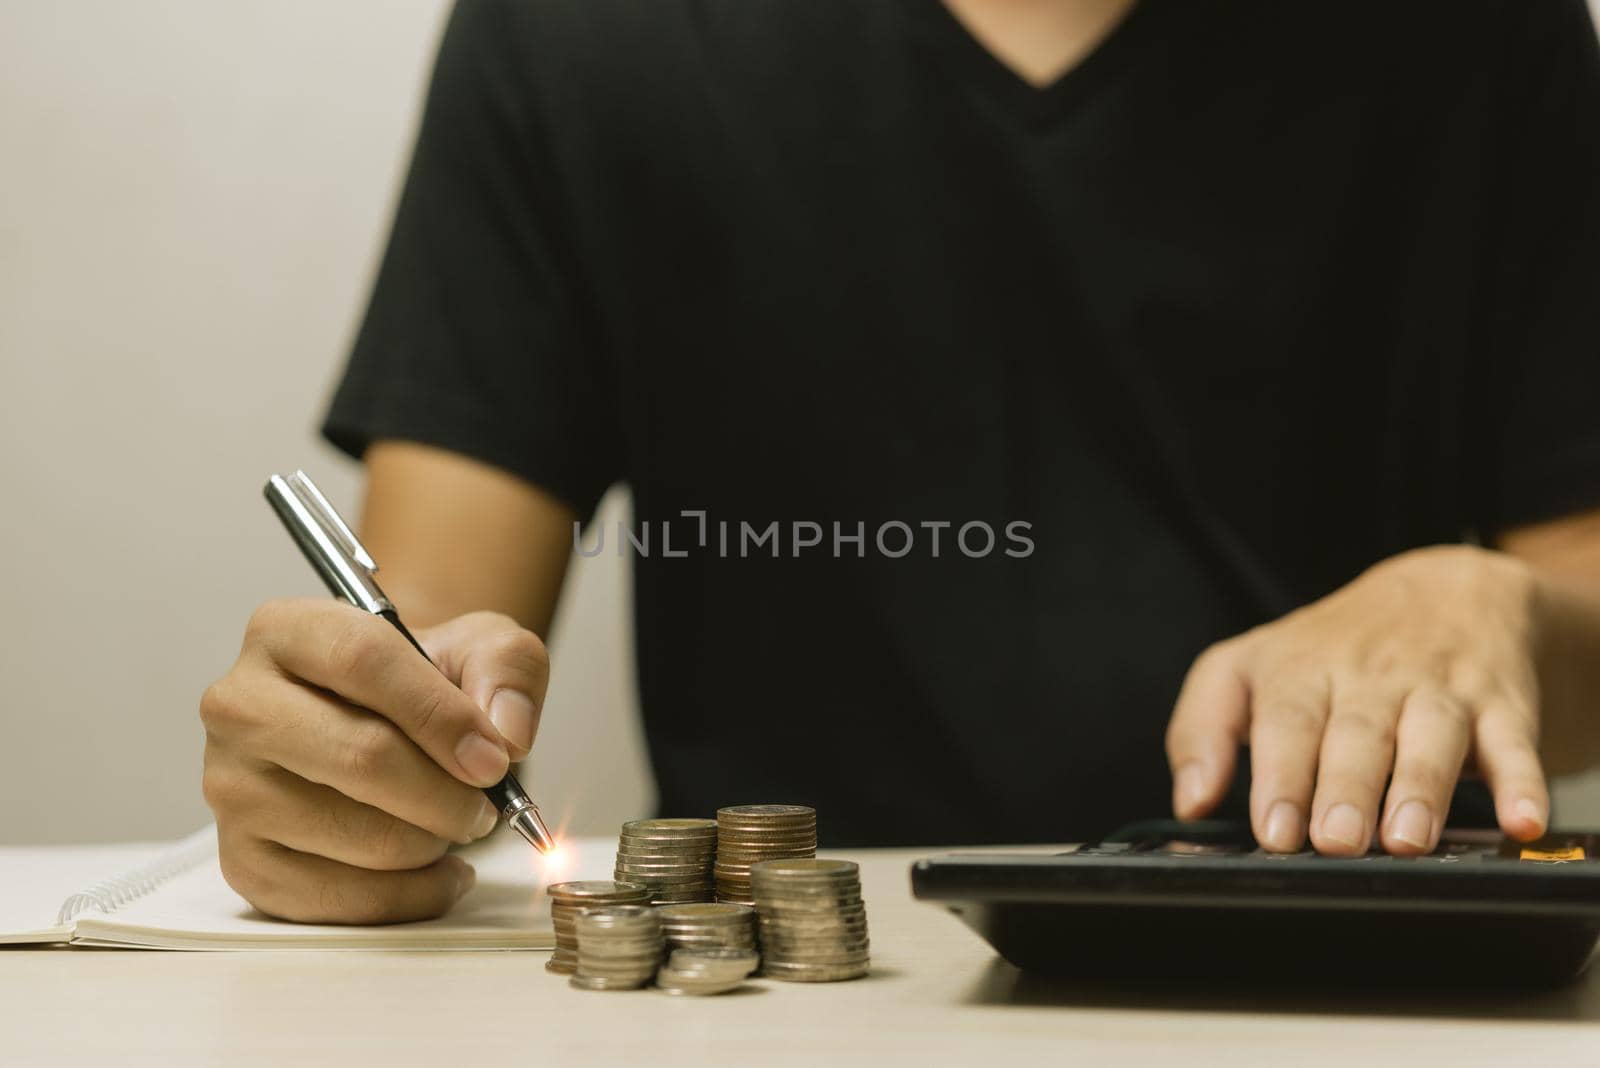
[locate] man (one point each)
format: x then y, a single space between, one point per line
1261 332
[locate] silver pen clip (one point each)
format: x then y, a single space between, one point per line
327 541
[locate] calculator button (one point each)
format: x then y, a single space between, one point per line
1554 854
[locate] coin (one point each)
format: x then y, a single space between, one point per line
707 971
748 835
814 973
569 900
768 813
715 924
673 857
619 947
811 920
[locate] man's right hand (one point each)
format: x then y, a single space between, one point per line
341 765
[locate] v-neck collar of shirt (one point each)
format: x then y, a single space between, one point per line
1035 105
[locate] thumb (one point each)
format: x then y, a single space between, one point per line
498 664
1203 736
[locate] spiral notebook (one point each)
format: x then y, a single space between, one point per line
176 898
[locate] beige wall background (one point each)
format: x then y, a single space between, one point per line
192 198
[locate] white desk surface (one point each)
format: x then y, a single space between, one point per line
937 996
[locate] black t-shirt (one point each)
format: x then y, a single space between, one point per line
1257 295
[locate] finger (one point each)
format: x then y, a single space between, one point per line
1207 726
1357 753
1431 742
367 661
501 666
1507 746
309 889
308 817
1286 723
363 756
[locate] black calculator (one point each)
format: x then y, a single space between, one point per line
1184 902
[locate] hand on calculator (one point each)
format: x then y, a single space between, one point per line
1424 665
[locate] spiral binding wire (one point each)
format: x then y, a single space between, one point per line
108 895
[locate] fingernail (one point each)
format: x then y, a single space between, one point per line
512 713
487 819
1345 824
1413 825
1283 827
482 759
1529 809
466 879
1191 783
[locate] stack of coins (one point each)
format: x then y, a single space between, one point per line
719 925
618 948
813 921
671 857
705 971
570 900
749 834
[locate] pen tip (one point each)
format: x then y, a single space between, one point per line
528 824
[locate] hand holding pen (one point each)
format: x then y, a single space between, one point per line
340 764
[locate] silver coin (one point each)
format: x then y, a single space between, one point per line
682 899
707 934
656 881
771 960
699 990
584 982
773 935
779 939
630 961
703 859
619 915
732 957
767 810
814 928
767 915
669 825
724 938
790 897
709 912
748 853
817 955
718 932
781 908
620 969
854 929
590 889
814 868
594 946
828 974
643 866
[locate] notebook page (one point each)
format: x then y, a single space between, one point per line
507 909
35 880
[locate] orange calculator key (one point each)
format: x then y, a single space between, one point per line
1567 853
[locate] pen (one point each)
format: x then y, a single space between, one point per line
346 567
